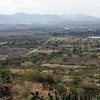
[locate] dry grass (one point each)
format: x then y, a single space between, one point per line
21 91
21 71
47 51
3 57
39 87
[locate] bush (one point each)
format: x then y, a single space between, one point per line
75 80
36 76
60 88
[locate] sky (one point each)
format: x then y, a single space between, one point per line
59 7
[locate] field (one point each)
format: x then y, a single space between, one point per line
45 65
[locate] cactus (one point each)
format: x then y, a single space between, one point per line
64 97
50 96
56 96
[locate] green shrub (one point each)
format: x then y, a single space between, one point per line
60 88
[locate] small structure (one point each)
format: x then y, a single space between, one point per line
94 37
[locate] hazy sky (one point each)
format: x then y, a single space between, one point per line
90 7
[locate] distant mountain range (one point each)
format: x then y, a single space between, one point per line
23 18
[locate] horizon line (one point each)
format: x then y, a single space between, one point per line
48 14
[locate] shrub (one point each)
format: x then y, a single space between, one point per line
60 88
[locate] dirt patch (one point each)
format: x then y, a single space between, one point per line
58 65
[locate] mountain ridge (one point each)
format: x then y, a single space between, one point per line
24 18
